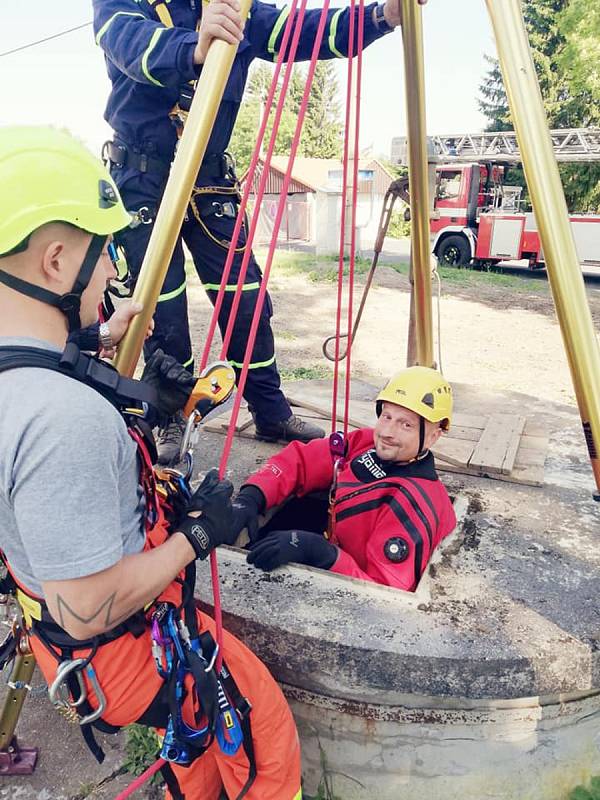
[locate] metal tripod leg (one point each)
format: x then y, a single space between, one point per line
16 760
548 200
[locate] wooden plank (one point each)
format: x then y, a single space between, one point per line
528 475
498 444
221 423
460 432
323 412
513 446
453 451
469 420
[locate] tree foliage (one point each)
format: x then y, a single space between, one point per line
322 130
565 42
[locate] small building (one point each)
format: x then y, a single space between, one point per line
314 200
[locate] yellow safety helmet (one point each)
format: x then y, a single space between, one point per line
48 176
425 391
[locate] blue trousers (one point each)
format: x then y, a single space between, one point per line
208 240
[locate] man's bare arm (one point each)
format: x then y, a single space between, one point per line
89 606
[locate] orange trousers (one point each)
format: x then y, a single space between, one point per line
127 675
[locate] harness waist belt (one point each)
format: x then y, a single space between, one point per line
120 154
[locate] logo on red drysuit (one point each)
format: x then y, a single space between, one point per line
274 469
368 461
396 549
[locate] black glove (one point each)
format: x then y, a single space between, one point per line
247 506
302 547
214 525
172 382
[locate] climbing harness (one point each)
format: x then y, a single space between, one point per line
179 648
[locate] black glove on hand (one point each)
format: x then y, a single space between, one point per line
301 547
172 382
247 506
214 525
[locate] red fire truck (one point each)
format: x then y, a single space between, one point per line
477 218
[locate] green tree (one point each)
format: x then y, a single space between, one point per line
322 132
244 136
565 43
321 135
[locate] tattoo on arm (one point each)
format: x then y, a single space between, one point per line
109 621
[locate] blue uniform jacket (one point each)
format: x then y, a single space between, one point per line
148 63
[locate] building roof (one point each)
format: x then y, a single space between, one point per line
311 174
314 172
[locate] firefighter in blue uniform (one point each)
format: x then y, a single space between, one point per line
154 50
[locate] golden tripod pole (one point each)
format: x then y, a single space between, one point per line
190 152
414 69
549 205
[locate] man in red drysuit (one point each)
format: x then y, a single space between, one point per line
388 510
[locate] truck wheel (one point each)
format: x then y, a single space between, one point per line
454 251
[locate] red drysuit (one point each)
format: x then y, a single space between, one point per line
388 517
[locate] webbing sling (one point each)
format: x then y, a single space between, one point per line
117 389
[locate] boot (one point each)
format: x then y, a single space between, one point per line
293 429
169 439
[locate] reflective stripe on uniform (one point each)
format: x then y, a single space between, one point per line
107 24
254 365
173 294
332 33
231 287
188 363
153 40
283 15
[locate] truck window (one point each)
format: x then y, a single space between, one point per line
449 185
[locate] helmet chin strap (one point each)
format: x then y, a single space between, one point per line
421 437
70 302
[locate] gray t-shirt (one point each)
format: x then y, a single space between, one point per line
70 500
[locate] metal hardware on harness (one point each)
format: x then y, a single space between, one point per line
226 209
337 449
60 695
213 387
190 437
142 216
397 189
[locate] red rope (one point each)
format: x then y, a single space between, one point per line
341 260
292 20
273 244
249 182
351 267
141 779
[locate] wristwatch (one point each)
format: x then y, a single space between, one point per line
380 20
106 341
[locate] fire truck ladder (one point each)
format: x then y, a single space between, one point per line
570 144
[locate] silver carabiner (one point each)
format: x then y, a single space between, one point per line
187 440
100 697
58 691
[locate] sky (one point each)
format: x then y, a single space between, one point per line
62 82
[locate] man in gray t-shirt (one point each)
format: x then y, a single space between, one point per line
76 529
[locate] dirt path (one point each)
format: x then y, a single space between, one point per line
492 335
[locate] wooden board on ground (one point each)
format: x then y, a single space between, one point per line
496 449
498 446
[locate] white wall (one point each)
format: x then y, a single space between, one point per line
328 220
